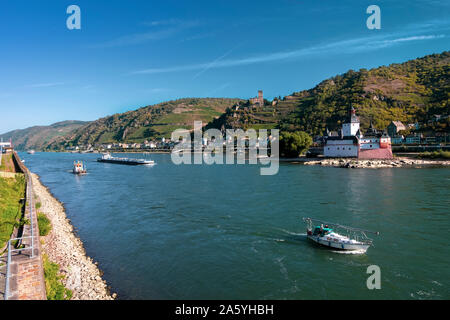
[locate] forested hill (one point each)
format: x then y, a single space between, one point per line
411 92
38 137
147 123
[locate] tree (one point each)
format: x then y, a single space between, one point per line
292 144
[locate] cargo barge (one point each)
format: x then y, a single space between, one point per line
127 161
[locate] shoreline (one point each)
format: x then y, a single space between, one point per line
62 246
396 162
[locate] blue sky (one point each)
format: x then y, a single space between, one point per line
129 54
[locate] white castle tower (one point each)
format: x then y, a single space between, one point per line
351 127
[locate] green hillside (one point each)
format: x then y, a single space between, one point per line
147 123
38 137
410 92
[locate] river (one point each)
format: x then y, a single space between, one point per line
226 232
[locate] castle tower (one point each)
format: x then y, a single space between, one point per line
351 127
260 98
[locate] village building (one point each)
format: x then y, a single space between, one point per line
394 127
6 147
397 139
413 138
350 142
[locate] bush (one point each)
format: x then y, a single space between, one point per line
44 224
292 144
435 155
38 205
53 285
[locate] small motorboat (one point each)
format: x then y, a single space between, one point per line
31 152
79 168
324 233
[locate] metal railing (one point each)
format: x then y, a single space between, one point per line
19 240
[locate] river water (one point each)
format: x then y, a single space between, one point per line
226 232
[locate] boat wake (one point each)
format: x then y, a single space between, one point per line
349 251
291 233
71 171
287 236
277 240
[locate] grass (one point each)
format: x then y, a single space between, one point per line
7 164
53 284
12 190
5 158
44 224
435 155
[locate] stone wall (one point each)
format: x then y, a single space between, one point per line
375 154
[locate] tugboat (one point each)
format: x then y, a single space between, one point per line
127 161
79 168
325 234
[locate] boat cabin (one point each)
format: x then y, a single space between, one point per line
321 231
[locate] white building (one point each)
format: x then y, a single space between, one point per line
337 147
351 143
4 146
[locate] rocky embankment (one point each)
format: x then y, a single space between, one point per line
393 163
82 275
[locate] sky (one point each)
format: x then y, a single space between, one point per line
134 53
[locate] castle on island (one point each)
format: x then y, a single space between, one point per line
350 142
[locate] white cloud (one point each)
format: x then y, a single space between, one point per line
156 90
169 22
45 85
137 38
343 46
174 26
212 64
415 38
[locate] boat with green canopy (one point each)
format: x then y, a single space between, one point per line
326 234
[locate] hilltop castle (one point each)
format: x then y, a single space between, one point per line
350 142
259 99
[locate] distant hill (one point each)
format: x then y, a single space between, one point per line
413 91
38 137
146 123
410 92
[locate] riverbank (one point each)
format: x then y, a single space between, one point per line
81 274
388 163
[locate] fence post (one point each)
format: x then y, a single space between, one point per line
7 271
30 196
